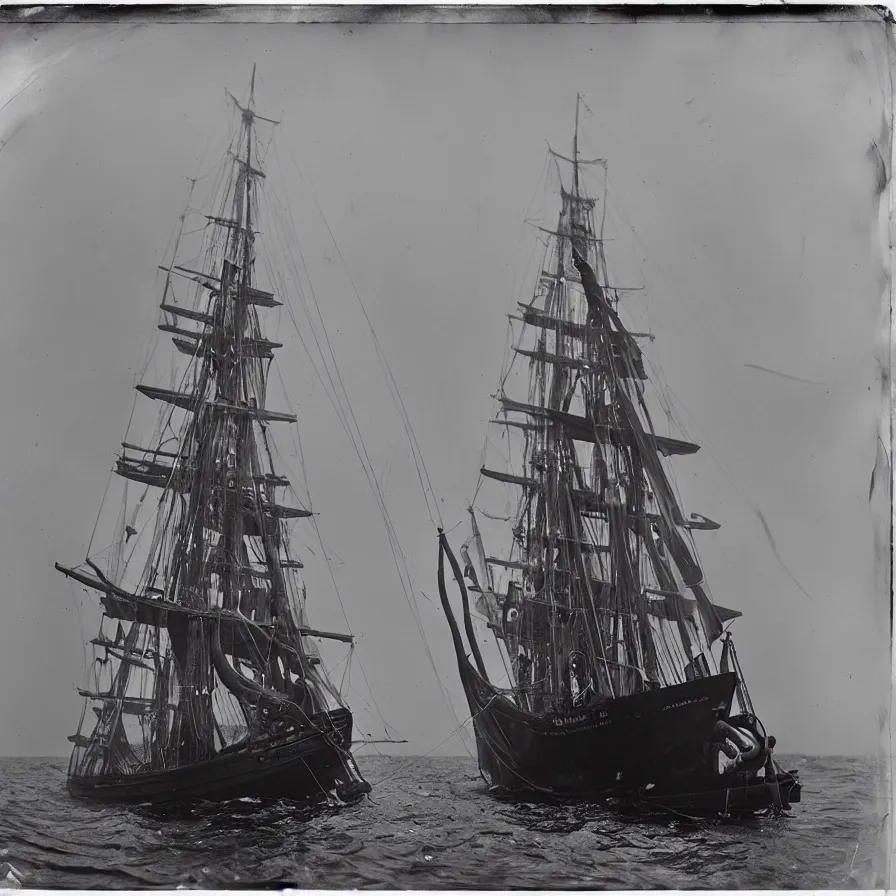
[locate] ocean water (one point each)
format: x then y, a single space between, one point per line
430 824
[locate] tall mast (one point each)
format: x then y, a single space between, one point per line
233 540
211 619
596 557
575 149
248 118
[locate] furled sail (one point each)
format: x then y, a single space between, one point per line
190 402
205 643
601 567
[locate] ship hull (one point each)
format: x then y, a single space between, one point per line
655 746
303 768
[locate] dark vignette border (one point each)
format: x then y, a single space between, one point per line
565 14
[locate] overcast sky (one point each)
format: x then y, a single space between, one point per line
744 186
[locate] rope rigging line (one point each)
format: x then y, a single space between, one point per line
416 759
334 396
164 413
354 434
134 402
347 418
327 560
428 491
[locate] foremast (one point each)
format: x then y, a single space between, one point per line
598 601
216 651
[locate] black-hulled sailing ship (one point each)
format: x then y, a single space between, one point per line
619 676
207 682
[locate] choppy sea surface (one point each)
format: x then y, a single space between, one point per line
431 824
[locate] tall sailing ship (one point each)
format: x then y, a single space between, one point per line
619 676
207 682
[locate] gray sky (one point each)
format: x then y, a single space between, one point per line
739 155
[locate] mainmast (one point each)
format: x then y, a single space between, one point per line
217 618
575 148
602 564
